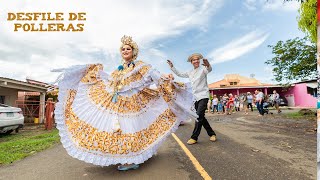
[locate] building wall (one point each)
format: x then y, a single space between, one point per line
301 97
11 95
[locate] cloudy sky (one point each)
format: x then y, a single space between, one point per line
233 35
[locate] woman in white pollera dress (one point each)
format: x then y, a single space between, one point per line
117 119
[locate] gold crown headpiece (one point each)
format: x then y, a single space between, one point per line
127 40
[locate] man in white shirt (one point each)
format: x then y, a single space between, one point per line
259 101
198 78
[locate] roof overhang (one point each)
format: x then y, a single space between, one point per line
312 85
20 85
246 87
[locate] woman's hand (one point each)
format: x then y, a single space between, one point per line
170 63
168 76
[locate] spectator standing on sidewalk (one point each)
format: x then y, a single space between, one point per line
214 103
225 99
250 100
245 104
220 106
237 102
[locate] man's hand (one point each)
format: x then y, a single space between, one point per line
170 63
206 63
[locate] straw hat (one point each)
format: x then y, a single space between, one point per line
195 55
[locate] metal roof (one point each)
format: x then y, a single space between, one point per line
21 85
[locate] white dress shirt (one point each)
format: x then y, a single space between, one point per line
198 79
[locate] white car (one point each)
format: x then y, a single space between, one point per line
11 118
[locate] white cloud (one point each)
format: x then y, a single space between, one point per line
268 75
232 21
238 47
280 5
214 77
271 5
250 4
107 21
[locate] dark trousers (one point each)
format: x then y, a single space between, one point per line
215 108
260 108
250 104
201 107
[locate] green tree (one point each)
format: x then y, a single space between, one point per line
295 59
307 19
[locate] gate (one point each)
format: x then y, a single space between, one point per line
38 111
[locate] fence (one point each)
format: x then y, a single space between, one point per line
37 111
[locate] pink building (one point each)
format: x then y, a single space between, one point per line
302 94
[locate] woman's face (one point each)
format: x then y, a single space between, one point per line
127 52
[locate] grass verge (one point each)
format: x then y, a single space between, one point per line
18 146
297 115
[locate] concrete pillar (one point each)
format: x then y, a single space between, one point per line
238 93
42 107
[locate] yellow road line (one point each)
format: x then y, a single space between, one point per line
195 162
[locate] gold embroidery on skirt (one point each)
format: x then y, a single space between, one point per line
119 143
167 90
135 103
181 85
91 73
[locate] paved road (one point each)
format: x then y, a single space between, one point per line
248 147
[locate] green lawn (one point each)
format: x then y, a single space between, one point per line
17 146
297 115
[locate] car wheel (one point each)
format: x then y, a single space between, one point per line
8 132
